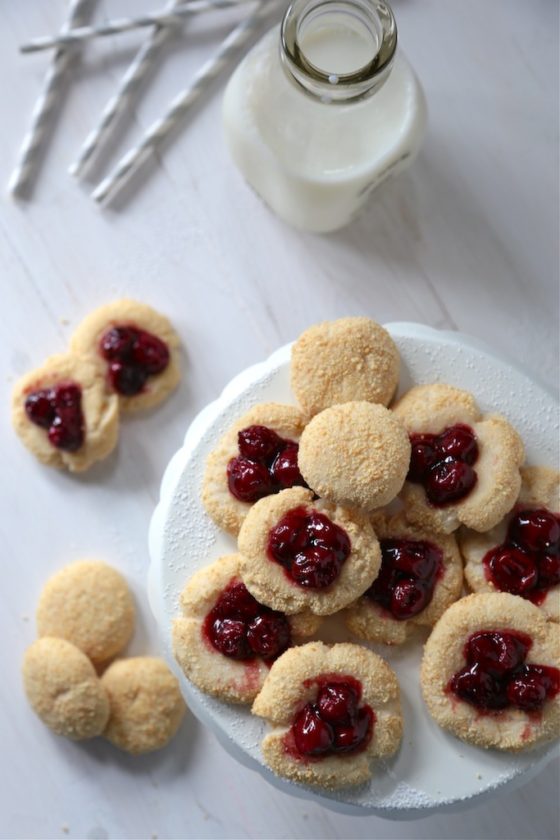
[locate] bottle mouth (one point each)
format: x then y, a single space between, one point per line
338 51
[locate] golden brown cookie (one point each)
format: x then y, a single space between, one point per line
64 690
226 641
135 349
490 672
342 361
63 413
89 604
464 468
333 709
299 554
421 575
355 454
521 554
260 450
145 702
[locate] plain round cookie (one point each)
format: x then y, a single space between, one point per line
540 487
225 678
370 622
89 604
266 580
290 685
356 454
64 690
342 361
433 408
510 729
131 313
146 706
222 506
100 410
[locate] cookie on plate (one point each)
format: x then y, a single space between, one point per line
64 690
257 457
490 672
63 413
89 604
421 575
333 709
464 468
226 641
299 554
135 348
342 361
146 705
355 454
521 555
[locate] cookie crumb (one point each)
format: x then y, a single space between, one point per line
65 829
64 321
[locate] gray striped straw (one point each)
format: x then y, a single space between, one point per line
34 140
121 25
117 105
182 103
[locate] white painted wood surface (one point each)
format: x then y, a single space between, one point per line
466 240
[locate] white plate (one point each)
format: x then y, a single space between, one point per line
432 770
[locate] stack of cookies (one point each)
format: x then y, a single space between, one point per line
355 505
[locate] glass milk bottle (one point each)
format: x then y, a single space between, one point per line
323 109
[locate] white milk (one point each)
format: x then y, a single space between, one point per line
316 163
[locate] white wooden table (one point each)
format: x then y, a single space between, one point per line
465 240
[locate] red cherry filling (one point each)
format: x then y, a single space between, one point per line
241 628
496 676
310 547
265 465
407 578
59 410
443 464
528 562
133 355
336 722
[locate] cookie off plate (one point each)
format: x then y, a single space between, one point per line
432 770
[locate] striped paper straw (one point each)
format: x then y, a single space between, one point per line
141 65
30 154
117 27
182 104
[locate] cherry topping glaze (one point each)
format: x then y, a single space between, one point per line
335 723
496 676
311 548
241 628
265 465
133 355
443 464
527 563
407 578
59 410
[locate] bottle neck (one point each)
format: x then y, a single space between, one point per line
338 51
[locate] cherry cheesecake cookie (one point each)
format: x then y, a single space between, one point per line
226 641
421 575
521 555
464 468
490 672
333 709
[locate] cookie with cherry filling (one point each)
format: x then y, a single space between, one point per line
257 457
464 468
344 360
355 454
226 641
333 709
63 413
300 554
490 672
421 575
135 348
521 554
